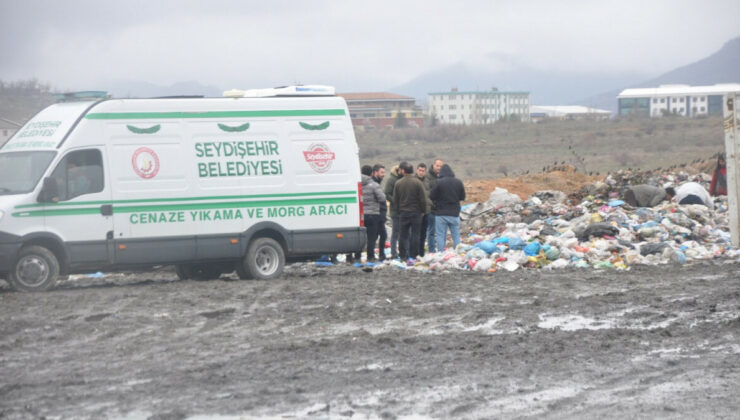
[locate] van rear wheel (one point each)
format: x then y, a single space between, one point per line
265 259
35 270
198 271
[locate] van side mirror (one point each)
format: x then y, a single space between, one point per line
49 191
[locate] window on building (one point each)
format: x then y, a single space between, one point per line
693 110
655 100
388 114
452 107
680 111
453 117
462 106
702 109
674 100
368 115
353 115
693 99
662 100
703 98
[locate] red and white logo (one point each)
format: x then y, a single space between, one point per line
145 162
319 157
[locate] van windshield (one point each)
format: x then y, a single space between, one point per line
21 171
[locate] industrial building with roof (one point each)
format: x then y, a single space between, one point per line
689 101
478 107
567 112
382 110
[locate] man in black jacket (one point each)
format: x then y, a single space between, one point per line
410 201
446 195
378 175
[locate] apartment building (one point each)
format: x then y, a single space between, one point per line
685 100
478 107
382 110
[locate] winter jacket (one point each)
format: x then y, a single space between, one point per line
648 195
409 196
372 195
719 181
447 193
693 188
383 203
390 182
430 180
428 208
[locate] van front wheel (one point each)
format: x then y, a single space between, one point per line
265 259
35 270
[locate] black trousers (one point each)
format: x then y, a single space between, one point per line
372 226
410 235
691 199
382 236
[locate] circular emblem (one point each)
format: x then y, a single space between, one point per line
319 157
145 162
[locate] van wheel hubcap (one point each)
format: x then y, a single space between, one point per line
32 270
266 260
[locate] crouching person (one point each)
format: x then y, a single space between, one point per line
447 195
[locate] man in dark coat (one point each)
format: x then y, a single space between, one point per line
378 175
446 196
409 200
395 175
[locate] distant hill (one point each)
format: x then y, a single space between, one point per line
139 89
506 74
720 67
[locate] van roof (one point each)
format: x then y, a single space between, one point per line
298 90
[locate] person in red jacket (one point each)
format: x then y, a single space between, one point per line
719 177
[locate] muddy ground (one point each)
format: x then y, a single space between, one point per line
341 343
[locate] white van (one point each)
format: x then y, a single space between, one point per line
207 184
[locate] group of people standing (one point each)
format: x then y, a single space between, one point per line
424 206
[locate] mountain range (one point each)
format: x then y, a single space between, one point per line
594 89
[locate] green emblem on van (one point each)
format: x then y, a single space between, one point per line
322 126
237 129
136 130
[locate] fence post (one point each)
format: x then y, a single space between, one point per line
732 152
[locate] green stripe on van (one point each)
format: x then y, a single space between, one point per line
191 206
170 200
212 114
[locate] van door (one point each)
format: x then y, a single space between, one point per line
80 214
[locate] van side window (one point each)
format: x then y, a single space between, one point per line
79 173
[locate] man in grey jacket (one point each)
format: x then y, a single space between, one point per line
372 196
644 195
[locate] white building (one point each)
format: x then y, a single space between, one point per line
689 101
478 107
7 129
568 112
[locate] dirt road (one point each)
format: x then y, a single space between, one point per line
341 343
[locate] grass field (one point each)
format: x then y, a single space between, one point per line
513 148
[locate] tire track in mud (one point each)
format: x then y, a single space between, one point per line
651 342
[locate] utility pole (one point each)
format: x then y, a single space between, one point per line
732 152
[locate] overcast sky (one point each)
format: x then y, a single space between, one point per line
354 45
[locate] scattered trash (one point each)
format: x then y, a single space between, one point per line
591 229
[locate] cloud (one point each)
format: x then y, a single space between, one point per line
352 45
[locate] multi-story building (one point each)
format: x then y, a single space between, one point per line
478 107
382 110
689 101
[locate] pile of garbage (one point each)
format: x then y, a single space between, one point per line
592 228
